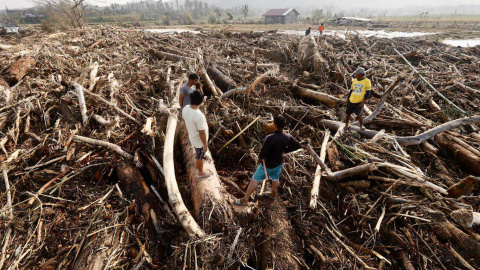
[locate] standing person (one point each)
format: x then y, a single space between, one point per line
197 129
271 156
308 31
187 89
359 93
320 29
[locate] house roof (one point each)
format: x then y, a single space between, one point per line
280 12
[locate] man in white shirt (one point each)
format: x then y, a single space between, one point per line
197 129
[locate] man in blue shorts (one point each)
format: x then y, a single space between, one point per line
271 156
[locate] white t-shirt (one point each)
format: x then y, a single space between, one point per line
194 121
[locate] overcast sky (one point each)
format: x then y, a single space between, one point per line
344 4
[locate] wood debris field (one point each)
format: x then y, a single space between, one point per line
97 172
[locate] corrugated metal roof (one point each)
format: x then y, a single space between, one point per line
278 12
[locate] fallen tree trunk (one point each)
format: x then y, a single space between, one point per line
408 140
207 193
446 231
466 158
277 250
221 80
318 172
169 56
19 68
176 201
326 99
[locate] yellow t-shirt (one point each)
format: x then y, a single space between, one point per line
360 88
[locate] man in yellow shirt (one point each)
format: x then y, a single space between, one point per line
359 93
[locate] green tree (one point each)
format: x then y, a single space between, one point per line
230 16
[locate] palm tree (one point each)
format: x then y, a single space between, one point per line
218 11
244 10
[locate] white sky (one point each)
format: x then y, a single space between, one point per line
344 4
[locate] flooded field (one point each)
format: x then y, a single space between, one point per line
463 42
367 33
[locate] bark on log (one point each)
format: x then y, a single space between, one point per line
221 80
277 248
326 99
176 201
19 68
131 181
334 157
446 231
308 55
207 192
169 56
467 159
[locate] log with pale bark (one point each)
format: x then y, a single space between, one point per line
19 68
408 140
175 198
318 171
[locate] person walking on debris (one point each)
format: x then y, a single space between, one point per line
197 129
187 89
271 156
320 29
359 93
308 31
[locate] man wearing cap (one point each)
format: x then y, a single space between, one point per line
359 93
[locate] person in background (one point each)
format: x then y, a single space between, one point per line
187 89
308 31
321 29
197 129
359 93
271 157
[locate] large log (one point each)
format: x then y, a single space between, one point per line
277 248
131 181
466 158
221 80
18 69
446 231
326 99
207 192
175 198
308 56
407 140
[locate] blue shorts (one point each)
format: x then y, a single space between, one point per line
199 154
273 174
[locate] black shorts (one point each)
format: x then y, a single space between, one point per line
354 108
199 154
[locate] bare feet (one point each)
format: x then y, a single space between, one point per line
362 127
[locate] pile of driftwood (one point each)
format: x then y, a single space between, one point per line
98 173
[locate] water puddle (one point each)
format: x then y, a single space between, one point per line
366 33
172 31
462 42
